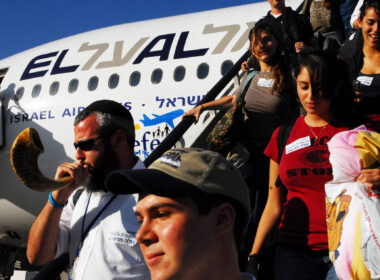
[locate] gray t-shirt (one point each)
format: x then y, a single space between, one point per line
260 96
265 110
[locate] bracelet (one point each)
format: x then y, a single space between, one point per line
55 204
201 107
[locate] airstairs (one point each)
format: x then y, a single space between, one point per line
223 87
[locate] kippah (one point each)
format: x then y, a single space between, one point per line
110 107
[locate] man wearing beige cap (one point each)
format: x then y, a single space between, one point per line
192 209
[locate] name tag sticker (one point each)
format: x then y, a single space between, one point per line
298 144
367 81
265 82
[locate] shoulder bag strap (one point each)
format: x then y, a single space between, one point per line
97 216
247 82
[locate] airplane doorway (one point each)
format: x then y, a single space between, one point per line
2 75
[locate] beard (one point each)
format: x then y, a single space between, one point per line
106 163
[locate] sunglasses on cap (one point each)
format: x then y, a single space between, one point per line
86 144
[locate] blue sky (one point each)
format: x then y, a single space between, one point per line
28 23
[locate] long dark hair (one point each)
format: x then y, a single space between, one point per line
329 73
280 70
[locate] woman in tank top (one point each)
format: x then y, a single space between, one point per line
365 64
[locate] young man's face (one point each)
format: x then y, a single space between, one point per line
276 3
174 239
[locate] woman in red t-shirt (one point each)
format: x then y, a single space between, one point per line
325 93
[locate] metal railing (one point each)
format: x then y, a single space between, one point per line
185 124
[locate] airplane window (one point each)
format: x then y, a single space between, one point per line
36 91
73 85
226 66
179 73
113 81
156 76
54 88
19 93
202 71
93 83
134 79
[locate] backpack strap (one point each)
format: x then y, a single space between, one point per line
247 81
77 195
282 138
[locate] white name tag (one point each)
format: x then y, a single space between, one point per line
298 144
265 82
367 81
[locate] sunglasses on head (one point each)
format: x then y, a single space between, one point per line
86 144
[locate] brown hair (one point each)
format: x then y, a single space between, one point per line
280 71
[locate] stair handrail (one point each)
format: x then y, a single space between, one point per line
184 125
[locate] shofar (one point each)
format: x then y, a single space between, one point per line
24 159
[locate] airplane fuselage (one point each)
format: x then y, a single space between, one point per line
154 68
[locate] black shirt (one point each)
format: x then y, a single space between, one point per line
290 27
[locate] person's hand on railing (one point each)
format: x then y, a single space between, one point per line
196 112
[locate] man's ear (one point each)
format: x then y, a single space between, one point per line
226 216
119 136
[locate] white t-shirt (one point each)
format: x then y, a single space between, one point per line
110 250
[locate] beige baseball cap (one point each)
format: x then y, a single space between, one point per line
182 172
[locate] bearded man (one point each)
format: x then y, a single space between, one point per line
96 227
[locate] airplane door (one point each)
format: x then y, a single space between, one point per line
2 110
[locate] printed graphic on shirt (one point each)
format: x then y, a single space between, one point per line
122 238
314 158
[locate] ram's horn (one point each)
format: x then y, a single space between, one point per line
24 159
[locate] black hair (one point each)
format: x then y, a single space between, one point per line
329 73
375 4
110 116
206 202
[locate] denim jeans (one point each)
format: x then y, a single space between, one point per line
298 265
346 9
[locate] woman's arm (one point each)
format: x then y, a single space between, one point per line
225 101
272 210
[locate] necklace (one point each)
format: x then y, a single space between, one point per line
266 75
319 134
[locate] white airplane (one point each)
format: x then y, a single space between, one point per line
153 67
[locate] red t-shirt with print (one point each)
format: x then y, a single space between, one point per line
304 170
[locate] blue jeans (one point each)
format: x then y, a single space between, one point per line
346 9
298 265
